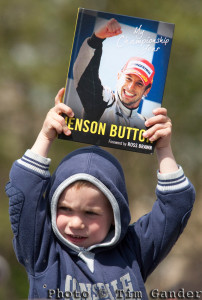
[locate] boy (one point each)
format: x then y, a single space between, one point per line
76 242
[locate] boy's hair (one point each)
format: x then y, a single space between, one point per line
80 183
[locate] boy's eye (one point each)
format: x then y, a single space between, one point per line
91 213
64 208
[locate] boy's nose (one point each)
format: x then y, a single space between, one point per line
76 222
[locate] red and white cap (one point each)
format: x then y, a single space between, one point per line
140 67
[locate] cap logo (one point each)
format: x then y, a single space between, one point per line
140 65
144 78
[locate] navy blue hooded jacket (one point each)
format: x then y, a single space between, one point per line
117 267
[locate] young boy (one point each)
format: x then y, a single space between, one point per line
71 230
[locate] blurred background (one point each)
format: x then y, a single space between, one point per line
35 46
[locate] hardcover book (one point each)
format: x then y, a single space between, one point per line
116 77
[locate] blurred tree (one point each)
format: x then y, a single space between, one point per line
36 40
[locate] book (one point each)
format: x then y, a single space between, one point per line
116 77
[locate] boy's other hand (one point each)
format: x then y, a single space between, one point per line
55 123
160 128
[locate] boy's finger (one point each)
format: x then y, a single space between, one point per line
157 119
152 130
160 110
63 108
161 133
59 96
66 131
58 123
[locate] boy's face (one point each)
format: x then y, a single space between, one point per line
131 89
84 215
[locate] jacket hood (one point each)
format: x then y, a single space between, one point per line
99 167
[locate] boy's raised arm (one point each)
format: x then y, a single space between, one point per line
160 130
54 124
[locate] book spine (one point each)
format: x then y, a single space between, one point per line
77 30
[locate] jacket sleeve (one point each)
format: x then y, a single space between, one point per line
86 78
156 233
29 177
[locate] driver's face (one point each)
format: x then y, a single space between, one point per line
131 89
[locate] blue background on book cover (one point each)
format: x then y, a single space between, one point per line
82 32
131 21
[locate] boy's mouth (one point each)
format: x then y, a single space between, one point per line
76 239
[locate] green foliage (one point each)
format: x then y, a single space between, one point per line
36 40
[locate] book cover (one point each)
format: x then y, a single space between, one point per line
116 77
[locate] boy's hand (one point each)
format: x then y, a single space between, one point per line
111 28
160 128
54 123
